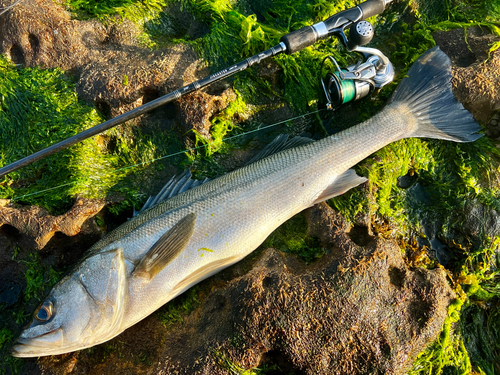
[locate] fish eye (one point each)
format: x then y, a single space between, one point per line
45 311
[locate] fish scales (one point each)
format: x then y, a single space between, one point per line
175 244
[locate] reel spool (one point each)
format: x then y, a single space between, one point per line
356 81
339 90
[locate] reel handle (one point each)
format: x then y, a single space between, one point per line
307 36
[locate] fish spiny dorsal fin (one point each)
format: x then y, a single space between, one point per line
184 182
342 183
166 249
176 185
280 143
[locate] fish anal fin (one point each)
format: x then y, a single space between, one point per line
167 248
342 183
204 272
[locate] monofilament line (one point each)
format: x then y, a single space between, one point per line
170 155
3 10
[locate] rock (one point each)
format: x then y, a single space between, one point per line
126 78
465 52
39 227
476 77
41 33
480 220
357 310
197 109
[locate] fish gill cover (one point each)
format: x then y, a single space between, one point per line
39 107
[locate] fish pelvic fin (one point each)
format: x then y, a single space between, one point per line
167 248
342 183
427 94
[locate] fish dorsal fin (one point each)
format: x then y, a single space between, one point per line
167 248
342 183
280 143
184 182
176 185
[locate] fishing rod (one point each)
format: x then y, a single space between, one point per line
340 87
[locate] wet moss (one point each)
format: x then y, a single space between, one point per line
175 311
291 237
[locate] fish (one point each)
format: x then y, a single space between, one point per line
195 233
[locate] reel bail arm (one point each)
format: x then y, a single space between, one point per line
359 80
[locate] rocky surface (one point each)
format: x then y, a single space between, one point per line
357 310
197 109
476 73
42 33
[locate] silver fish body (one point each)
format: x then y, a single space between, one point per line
122 279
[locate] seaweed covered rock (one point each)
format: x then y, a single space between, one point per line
125 78
357 310
197 109
113 72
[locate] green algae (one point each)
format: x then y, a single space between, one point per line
133 10
176 310
291 237
39 108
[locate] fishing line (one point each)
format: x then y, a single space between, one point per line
170 155
5 9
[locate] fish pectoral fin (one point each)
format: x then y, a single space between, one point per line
167 248
342 183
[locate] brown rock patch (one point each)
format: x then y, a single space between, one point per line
41 33
476 76
39 227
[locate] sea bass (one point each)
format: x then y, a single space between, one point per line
177 243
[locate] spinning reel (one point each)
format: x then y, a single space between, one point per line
359 80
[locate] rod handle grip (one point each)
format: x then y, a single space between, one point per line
372 8
307 36
299 39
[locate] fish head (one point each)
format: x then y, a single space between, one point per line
84 309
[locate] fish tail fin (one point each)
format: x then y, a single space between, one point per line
427 93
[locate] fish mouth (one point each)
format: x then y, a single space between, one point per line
47 344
